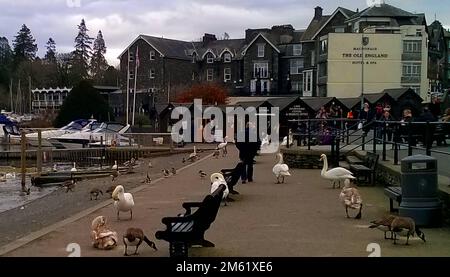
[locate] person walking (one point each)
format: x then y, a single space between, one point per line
248 145
366 116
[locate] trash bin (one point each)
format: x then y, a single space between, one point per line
419 191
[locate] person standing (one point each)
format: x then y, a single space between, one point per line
366 115
248 149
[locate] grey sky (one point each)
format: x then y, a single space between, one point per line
122 20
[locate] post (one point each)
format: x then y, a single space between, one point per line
363 138
374 142
409 139
101 156
128 86
23 165
384 140
309 134
39 154
395 153
428 140
333 152
337 152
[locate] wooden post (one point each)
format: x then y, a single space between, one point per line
39 154
23 164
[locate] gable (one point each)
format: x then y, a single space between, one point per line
260 35
337 18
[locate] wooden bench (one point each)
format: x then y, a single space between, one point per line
394 193
354 160
367 168
232 176
189 229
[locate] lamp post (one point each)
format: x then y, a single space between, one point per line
362 70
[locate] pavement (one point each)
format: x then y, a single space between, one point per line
302 217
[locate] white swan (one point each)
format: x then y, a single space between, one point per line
285 139
74 168
10 176
351 198
123 202
281 169
55 168
335 174
217 179
114 167
266 141
223 146
193 155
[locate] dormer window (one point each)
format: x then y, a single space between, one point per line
227 57
209 58
152 55
261 50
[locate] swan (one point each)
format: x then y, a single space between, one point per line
193 155
115 167
74 168
55 168
266 141
281 169
351 198
123 202
223 146
9 176
217 179
285 139
335 174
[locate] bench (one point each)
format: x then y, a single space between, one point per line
354 160
189 229
367 168
232 176
394 193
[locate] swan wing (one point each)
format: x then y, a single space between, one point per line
339 171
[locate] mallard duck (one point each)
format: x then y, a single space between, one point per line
123 202
95 192
202 174
351 198
335 174
281 169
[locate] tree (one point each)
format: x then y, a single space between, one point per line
50 56
98 61
111 77
210 94
82 54
24 45
83 101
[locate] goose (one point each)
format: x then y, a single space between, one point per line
102 237
217 179
166 172
405 227
281 169
173 170
223 146
74 168
384 224
115 167
351 198
134 237
10 176
95 192
335 174
123 202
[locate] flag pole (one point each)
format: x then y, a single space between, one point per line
128 85
135 82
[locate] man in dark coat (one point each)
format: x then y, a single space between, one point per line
247 151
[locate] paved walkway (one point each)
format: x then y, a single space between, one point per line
300 218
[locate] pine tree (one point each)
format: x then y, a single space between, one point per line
50 56
82 54
24 45
98 61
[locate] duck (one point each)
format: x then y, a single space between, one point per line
223 146
202 174
193 156
69 185
351 198
281 169
123 202
405 227
110 190
384 224
134 237
114 175
173 170
102 237
74 168
115 166
335 174
217 179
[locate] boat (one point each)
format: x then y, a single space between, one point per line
74 126
109 133
8 130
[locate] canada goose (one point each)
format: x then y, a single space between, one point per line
405 226
335 174
123 202
351 198
384 224
102 237
114 175
281 169
110 190
69 185
134 237
95 192
202 174
217 179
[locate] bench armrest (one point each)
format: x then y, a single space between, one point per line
179 219
189 205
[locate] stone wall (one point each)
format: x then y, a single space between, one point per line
303 159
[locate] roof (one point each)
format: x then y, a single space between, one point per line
350 103
317 102
282 103
217 47
382 10
372 98
446 33
313 27
397 93
347 13
255 104
266 38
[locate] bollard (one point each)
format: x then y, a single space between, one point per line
39 154
23 164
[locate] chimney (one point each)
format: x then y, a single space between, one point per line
207 38
318 13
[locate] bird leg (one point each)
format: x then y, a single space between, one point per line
395 238
283 179
137 247
333 183
126 249
346 211
358 216
407 239
131 212
118 217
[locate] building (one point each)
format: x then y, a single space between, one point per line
5 49
438 58
48 100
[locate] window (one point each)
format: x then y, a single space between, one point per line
209 58
152 55
323 46
339 29
209 74
296 66
131 74
227 74
131 57
227 57
261 48
411 70
297 50
307 83
152 73
296 86
194 58
313 57
261 70
412 46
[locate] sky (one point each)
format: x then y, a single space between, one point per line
121 21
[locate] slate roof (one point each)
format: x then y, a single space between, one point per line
234 45
382 10
170 47
313 27
317 102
